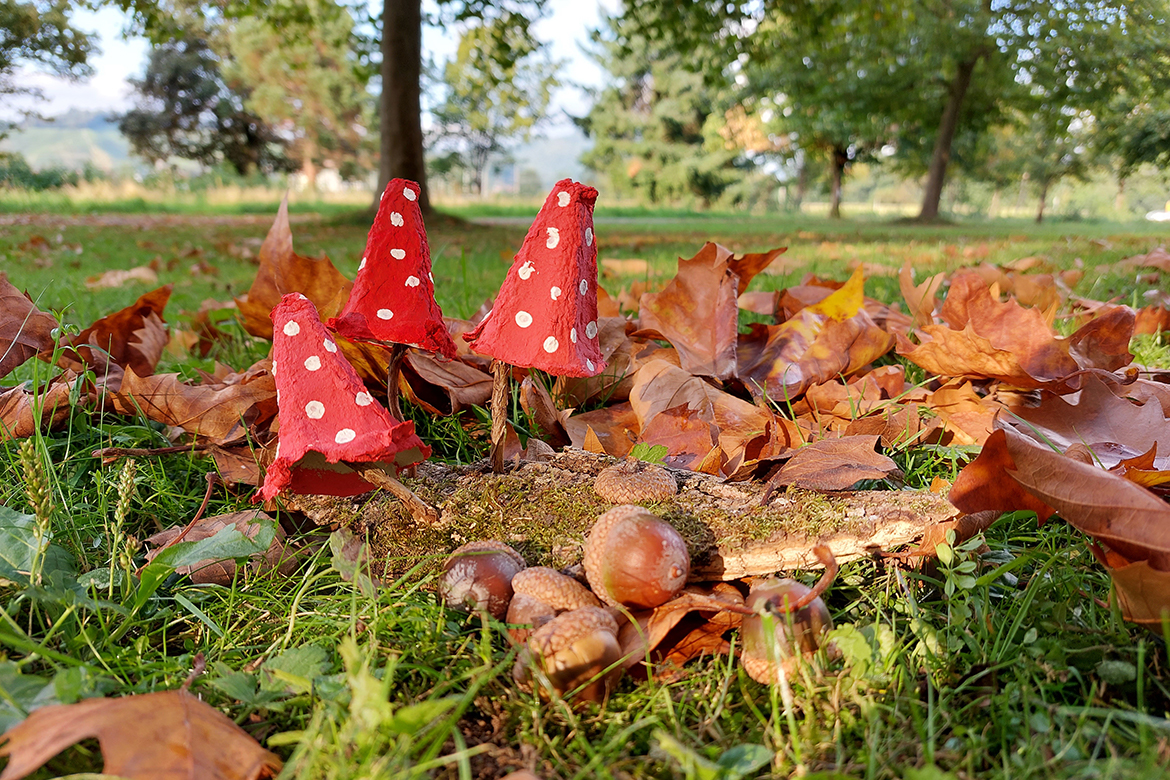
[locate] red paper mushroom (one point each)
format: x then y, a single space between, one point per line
393 297
331 428
545 315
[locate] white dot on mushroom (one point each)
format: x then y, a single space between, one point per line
525 270
314 410
291 328
583 287
413 281
573 335
563 198
408 193
591 330
554 238
398 254
588 236
329 346
363 399
312 363
346 435
385 314
395 219
555 293
362 264
589 364
551 344
523 319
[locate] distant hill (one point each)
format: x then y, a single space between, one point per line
70 141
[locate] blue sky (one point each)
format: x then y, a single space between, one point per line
121 59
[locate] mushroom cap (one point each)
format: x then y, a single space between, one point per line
545 315
326 415
560 592
393 297
632 481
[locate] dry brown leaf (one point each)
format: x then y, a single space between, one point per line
25 330
1157 257
967 417
223 572
656 634
443 387
170 735
613 335
615 429
536 402
1143 592
985 484
689 437
1150 319
216 413
134 338
746 266
921 299
835 464
283 271
1126 517
697 313
23 412
121 277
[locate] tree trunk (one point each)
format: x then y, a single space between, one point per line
993 207
801 184
1119 198
1043 200
840 158
401 142
936 174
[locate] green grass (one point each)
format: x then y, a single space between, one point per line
1004 661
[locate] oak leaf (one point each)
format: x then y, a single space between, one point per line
170 735
689 625
25 330
283 271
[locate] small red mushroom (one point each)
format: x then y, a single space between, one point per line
393 297
545 315
332 431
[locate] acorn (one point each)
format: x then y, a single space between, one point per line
634 481
559 591
635 559
793 632
526 614
575 649
478 576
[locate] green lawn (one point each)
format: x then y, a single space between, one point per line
1024 672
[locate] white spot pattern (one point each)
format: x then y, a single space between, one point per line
525 271
346 435
583 287
591 330
588 236
554 238
413 281
563 199
312 363
408 193
573 335
551 344
588 364
523 319
363 399
395 219
291 328
329 346
314 410
362 264
555 293
385 314
398 254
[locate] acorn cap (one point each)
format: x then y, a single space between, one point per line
393 297
567 628
545 315
633 481
326 415
560 592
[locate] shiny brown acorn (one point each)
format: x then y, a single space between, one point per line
635 559
792 634
478 576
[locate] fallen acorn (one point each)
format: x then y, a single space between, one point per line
635 559
526 614
574 649
633 482
478 576
540 593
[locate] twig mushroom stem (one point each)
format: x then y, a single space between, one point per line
501 396
376 475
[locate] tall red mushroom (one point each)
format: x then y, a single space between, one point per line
545 315
331 428
393 297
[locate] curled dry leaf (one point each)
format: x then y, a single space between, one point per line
697 313
443 386
283 271
23 412
25 330
132 338
154 736
691 624
986 484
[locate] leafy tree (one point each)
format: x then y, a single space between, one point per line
657 127
39 32
305 78
498 88
186 109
